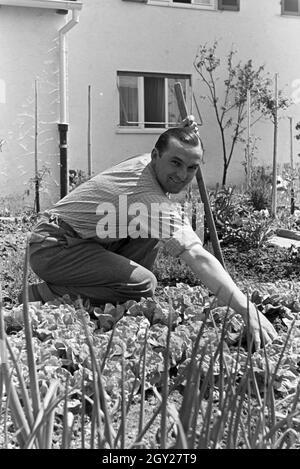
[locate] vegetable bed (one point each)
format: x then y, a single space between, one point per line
145 384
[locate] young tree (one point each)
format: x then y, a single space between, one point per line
230 103
270 102
297 127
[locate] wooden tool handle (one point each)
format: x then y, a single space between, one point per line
201 184
180 100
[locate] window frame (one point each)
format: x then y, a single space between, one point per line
140 127
285 12
215 5
197 6
194 3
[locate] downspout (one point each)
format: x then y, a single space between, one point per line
63 125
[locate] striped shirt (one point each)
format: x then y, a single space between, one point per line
123 201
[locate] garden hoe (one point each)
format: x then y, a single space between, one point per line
201 185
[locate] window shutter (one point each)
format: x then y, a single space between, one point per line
229 5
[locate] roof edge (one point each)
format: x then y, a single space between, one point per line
50 4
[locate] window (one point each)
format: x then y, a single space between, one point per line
148 100
229 5
215 5
290 7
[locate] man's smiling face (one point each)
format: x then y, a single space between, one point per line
176 166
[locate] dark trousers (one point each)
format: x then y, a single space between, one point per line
70 265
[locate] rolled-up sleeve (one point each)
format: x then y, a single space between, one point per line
165 220
182 240
175 230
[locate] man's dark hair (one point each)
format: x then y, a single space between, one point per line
184 134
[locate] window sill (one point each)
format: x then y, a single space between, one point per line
139 131
183 5
290 15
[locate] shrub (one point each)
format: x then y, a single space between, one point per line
251 232
228 205
237 221
260 191
77 177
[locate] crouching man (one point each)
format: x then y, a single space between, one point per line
101 240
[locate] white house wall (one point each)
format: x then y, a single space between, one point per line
116 35
29 53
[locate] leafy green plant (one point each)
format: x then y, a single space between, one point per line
64 371
77 177
287 220
260 190
293 254
228 206
252 232
228 398
38 182
290 176
32 416
169 270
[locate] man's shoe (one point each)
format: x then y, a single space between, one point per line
33 294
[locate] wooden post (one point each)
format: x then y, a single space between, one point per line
201 185
274 178
37 183
89 134
292 166
249 162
